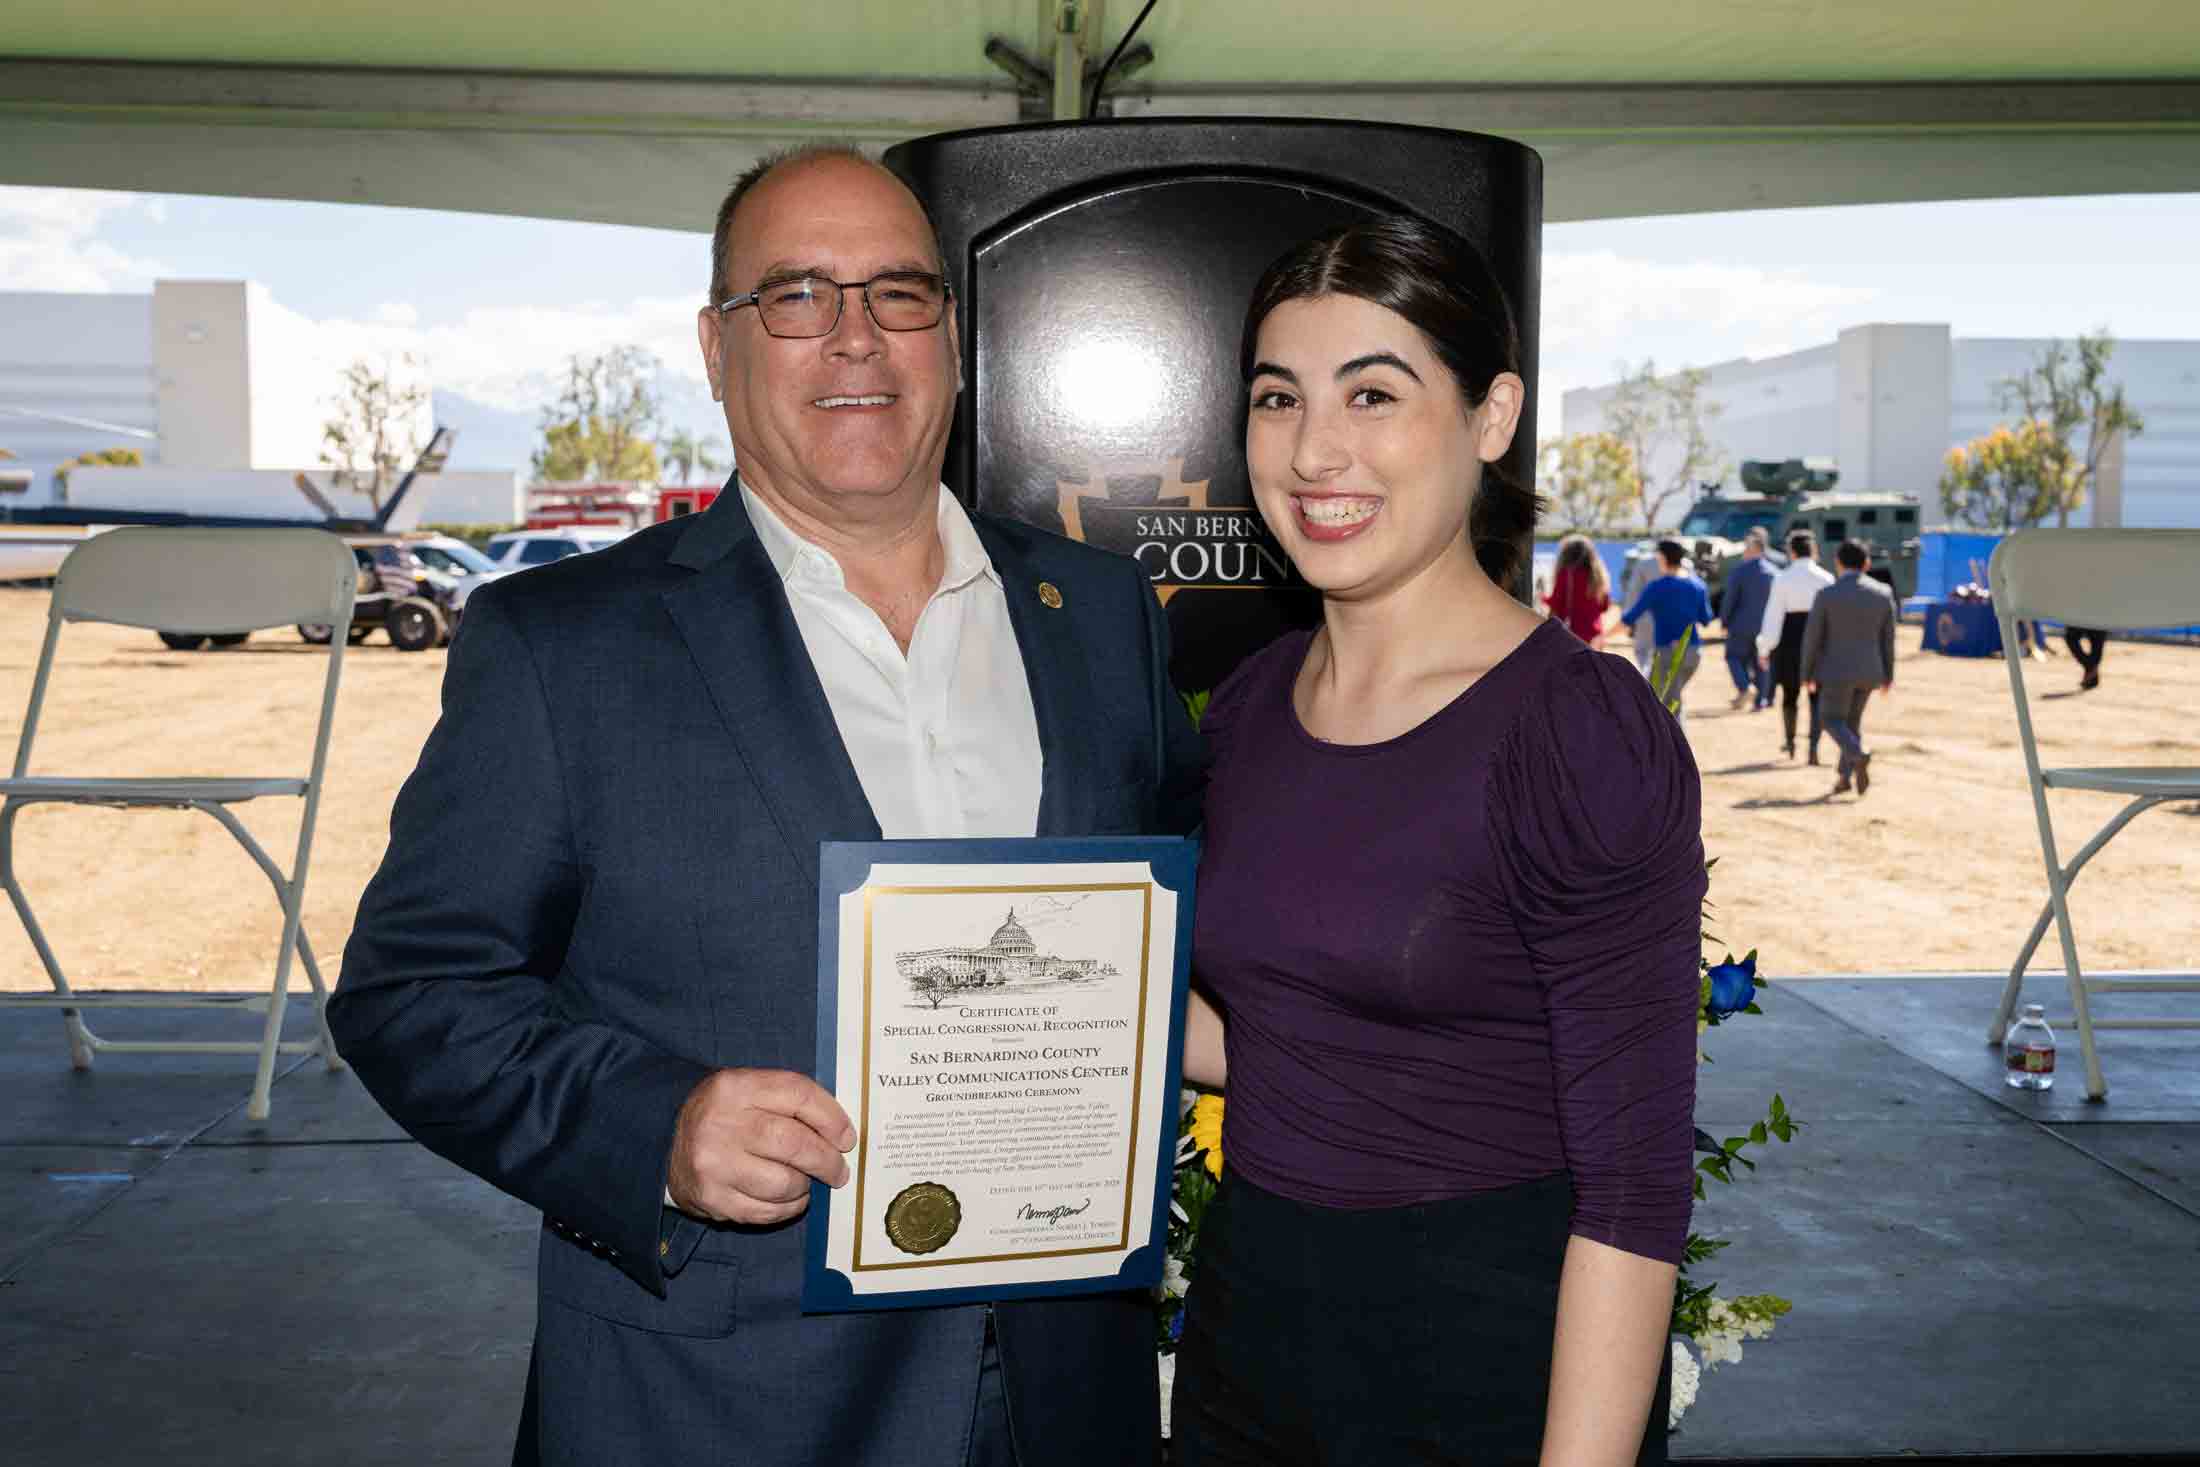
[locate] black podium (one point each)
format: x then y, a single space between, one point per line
1104 270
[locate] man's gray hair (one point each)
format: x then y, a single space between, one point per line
721 235
1756 537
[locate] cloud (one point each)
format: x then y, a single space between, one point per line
1601 308
48 241
511 356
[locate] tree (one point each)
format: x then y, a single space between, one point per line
1589 479
1661 420
2011 479
599 426
934 985
2066 391
124 458
375 432
686 454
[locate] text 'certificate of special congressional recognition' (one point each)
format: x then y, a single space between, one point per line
1002 1020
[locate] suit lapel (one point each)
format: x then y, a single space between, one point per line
1061 694
734 617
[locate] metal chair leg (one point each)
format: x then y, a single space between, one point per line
327 1039
1998 1028
82 1041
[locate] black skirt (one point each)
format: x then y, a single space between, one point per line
1422 1334
1787 658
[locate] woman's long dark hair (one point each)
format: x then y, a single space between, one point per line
1442 285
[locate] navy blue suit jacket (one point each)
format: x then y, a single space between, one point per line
1742 606
601 885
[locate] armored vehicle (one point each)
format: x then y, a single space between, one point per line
1796 494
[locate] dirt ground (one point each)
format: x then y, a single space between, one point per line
1937 869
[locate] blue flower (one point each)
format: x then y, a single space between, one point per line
1733 987
1176 1326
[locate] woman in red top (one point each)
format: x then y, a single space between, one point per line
1581 589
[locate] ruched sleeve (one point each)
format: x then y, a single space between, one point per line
1596 834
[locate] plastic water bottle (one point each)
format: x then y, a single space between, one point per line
2029 1051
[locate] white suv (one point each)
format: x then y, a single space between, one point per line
522 548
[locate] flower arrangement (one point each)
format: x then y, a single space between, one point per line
1714 1323
1198 1168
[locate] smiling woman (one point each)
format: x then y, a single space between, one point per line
1432 759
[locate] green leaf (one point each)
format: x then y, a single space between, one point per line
1757 1133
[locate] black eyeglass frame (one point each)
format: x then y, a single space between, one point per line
840 301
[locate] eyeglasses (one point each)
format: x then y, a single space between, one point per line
808 305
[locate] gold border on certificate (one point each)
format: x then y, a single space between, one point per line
1138 1070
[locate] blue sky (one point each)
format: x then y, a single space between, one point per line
495 304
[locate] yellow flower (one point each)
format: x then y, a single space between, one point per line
1207 1130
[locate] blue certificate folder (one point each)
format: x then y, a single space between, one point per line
845 866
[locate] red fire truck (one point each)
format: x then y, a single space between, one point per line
686 499
620 506
556 506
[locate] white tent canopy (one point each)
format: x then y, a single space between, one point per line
638 114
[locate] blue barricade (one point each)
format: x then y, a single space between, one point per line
1944 559
1962 629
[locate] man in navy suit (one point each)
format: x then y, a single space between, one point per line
586 970
1742 611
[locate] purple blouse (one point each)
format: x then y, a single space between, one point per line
1465 957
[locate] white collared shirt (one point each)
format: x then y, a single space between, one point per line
1793 591
944 739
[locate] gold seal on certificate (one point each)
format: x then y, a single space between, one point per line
921 1218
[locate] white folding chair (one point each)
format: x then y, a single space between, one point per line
2116 580
213 582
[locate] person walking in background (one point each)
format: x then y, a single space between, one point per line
1640 572
1848 649
2087 644
1581 589
1780 635
1675 604
1742 613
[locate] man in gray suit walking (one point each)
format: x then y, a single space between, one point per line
1848 649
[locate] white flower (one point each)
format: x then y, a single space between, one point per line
1168 1387
1172 1278
1720 1347
1686 1377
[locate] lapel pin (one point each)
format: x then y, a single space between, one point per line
1050 596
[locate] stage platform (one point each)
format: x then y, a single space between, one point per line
1976 1273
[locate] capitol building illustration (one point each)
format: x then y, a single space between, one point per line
1010 957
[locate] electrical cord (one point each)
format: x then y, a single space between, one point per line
1092 108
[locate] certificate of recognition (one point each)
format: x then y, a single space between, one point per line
1002 1020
